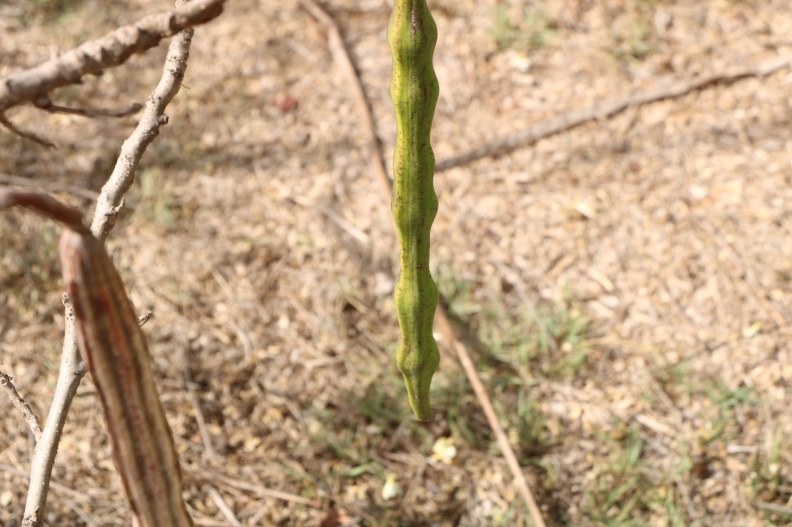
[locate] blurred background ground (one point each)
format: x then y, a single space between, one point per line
625 285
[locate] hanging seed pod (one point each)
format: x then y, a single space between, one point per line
412 36
114 347
115 350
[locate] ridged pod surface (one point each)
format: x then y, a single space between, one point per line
412 36
115 349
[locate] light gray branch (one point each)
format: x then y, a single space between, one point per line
71 372
113 49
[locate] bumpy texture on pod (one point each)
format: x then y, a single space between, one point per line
412 36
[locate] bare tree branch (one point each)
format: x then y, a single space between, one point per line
111 198
21 405
70 374
578 116
111 50
109 203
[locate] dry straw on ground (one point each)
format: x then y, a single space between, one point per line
628 281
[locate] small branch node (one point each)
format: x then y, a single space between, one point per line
145 317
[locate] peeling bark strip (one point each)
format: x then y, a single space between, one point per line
414 89
115 349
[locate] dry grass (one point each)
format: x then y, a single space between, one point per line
625 286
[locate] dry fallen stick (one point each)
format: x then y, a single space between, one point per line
341 56
573 118
486 404
223 507
210 476
342 60
774 507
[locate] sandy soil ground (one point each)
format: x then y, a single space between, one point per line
625 286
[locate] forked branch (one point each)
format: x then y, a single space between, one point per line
143 35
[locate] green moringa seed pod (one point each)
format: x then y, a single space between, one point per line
412 36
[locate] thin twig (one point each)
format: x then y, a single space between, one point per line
578 116
46 104
441 320
774 507
211 476
72 367
341 55
111 50
344 63
206 439
225 510
25 134
21 405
